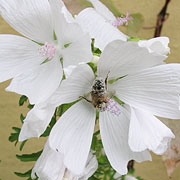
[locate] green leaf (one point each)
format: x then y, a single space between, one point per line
54 35
93 67
67 45
48 129
135 39
136 24
93 178
139 178
94 142
123 177
14 136
114 80
92 45
41 44
29 157
16 129
53 121
97 52
67 106
22 100
97 133
63 108
26 174
22 118
118 100
104 171
46 132
51 124
22 145
131 172
61 61
30 106
45 61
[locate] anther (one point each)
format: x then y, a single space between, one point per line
48 50
112 107
122 21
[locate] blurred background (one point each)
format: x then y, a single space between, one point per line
10 111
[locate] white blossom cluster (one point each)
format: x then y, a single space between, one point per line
53 44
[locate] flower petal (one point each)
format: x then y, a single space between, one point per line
91 167
77 52
114 134
121 58
49 165
158 45
78 84
154 89
67 14
72 135
36 121
30 18
103 10
18 55
99 28
148 132
39 84
68 71
66 32
89 170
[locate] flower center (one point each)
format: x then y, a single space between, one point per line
48 50
101 97
122 21
112 107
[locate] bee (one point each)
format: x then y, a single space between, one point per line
99 94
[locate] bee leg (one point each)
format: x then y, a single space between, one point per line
85 99
106 80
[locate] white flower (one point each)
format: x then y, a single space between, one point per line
39 117
127 131
157 45
50 166
68 70
35 67
99 23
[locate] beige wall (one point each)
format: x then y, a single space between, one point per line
9 110
9 117
149 9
